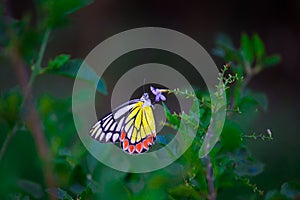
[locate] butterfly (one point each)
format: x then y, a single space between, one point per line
131 124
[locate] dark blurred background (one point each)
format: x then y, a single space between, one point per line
277 22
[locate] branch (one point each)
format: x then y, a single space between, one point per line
210 181
7 141
32 118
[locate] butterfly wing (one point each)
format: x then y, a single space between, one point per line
138 133
132 124
108 129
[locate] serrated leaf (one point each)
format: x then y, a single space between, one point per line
271 61
247 49
71 68
259 47
291 190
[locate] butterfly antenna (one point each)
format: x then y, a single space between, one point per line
144 85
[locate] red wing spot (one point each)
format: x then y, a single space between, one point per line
139 147
123 134
131 148
125 144
145 144
150 140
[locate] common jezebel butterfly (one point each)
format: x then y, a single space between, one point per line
132 124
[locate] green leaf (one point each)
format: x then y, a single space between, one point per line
247 49
59 61
10 103
59 193
184 191
228 53
251 103
259 47
62 169
271 61
231 136
58 10
171 118
245 164
71 68
32 188
275 195
87 194
78 175
17 196
77 189
291 190
224 40
260 98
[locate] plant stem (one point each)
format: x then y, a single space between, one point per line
7 141
37 65
23 79
32 118
210 181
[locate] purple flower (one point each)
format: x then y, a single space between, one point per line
158 94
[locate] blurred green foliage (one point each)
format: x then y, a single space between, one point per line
80 176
